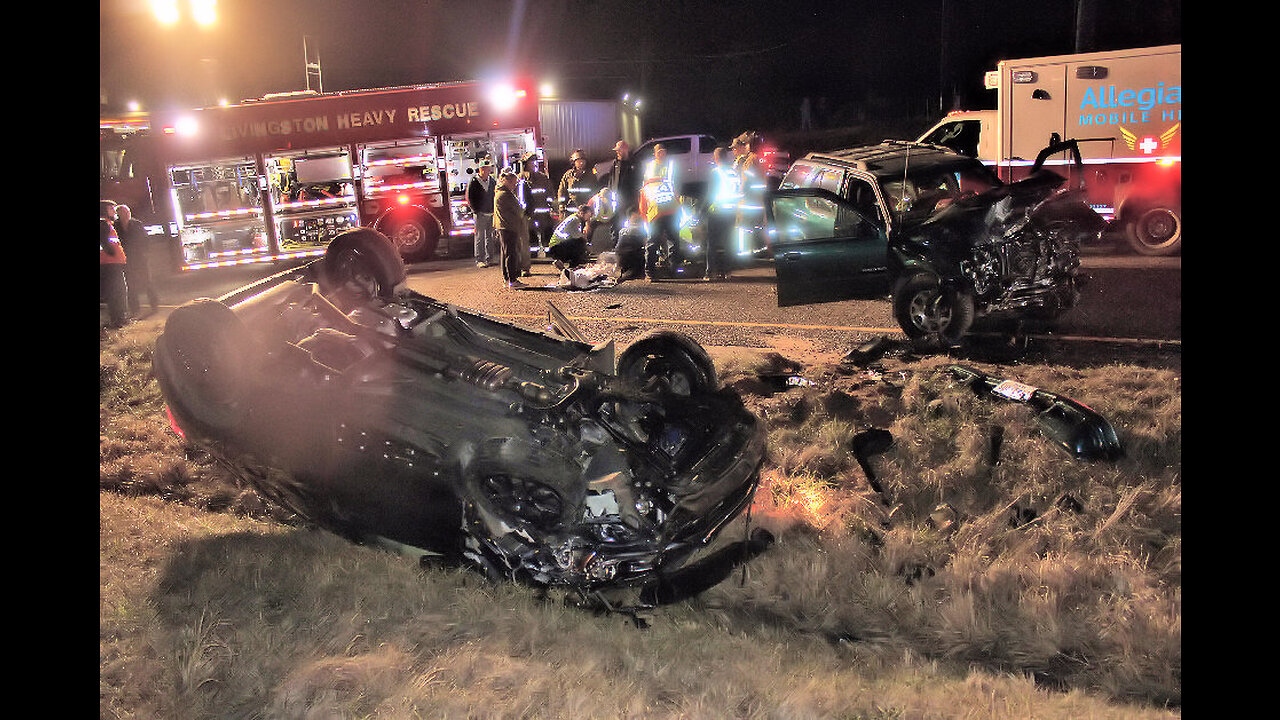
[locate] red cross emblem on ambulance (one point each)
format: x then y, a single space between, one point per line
1148 144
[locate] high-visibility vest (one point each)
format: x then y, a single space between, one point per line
657 199
107 259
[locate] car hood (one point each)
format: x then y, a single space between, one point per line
1002 214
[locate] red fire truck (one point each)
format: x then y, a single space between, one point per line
279 177
129 172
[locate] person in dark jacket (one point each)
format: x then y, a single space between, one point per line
480 192
623 185
508 219
137 272
537 202
577 185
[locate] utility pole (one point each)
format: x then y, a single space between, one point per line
1086 25
311 61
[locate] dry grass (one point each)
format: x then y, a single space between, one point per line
968 590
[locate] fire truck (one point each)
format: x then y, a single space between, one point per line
1125 109
130 173
278 177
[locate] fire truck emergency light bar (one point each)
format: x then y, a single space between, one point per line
248 261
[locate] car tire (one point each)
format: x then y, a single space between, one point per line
200 364
524 486
668 361
363 262
932 316
1155 230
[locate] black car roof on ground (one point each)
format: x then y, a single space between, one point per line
891 157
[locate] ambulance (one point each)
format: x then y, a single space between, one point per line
1125 109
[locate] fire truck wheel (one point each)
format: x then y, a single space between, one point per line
1155 230
362 261
200 364
415 239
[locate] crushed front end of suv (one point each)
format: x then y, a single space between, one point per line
384 415
935 229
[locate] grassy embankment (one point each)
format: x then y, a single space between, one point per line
1037 586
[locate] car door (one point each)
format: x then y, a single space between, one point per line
824 248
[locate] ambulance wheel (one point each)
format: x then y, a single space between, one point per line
200 362
1155 230
670 362
362 262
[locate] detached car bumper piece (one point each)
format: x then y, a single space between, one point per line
383 414
1071 425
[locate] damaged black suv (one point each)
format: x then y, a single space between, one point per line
937 230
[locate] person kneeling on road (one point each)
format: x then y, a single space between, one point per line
569 242
630 247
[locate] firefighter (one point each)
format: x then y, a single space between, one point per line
537 202
749 167
722 212
577 185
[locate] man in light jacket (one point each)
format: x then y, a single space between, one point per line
480 198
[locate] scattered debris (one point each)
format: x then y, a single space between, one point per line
1072 425
866 352
1068 503
995 436
784 381
868 443
944 518
1019 516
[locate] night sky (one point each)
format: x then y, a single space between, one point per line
700 66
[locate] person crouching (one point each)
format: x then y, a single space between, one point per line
568 247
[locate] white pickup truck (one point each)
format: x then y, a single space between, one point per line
690 155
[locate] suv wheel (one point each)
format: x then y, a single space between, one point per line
931 315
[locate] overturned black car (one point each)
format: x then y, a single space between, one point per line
385 415
936 229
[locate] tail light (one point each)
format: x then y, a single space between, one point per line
173 423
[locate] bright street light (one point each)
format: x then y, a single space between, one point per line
204 12
166 11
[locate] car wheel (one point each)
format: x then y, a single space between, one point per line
363 262
1155 231
670 362
524 486
413 239
200 363
931 315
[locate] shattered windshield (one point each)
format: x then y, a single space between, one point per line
922 192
